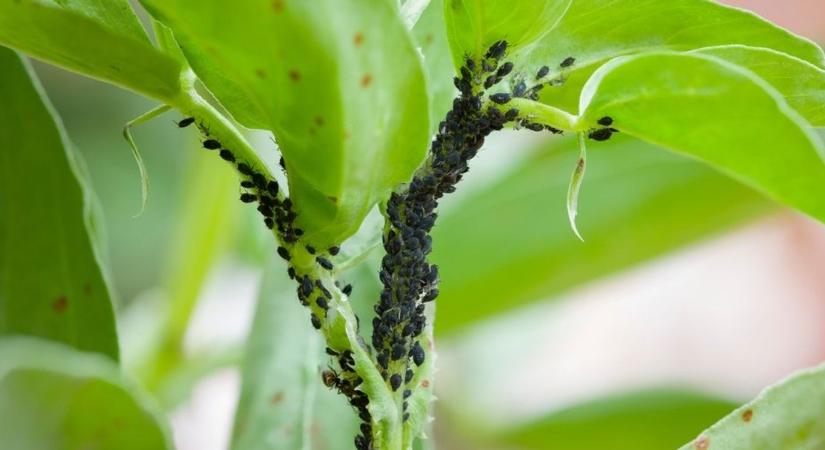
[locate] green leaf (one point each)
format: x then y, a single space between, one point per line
800 83
639 202
594 31
431 35
717 112
474 25
283 404
339 83
50 279
645 420
101 39
57 398
785 416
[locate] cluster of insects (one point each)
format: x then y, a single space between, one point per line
409 281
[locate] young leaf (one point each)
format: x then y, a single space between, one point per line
55 397
714 111
99 39
645 420
801 83
339 83
787 415
281 388
594 31
474 25
640 202
50 281
576 185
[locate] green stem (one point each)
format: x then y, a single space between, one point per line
547 115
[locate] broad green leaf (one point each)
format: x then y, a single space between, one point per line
57 398
594 31
786 416
638 203
102 39
283 404
717 112
431 35
338 82
474 25
51 283
646 420
801 83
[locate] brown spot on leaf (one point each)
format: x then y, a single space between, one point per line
261 73
319 121
347 134
278 6
429 38
425 383
294 75
315 430
358 39
87 288
366 80
747 415
60 304
333 199
702 443
276 398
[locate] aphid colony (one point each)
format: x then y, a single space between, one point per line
409 281
278 214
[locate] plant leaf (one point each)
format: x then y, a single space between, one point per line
57 398
645 420
744 127
51 283
594 31
99 39
801 83
787 415
575 186
339 83
283 404
640 202
474 25
431 35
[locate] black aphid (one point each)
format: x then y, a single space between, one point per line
248 198
244 169
497 50
211 144
316 322
185 122
500 98
269 222
569 61
347 290
310 249
323 262
321 302
505 69
606 121
519 89
284 253
247 184
542 72
601 134
417 353
395 381
334 250
226 155
272 188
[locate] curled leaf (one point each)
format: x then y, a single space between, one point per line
575 186
127 134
